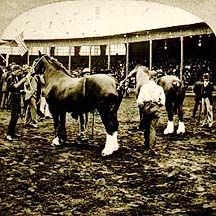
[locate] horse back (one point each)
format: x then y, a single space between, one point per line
173 88
100 85
65 91
170 82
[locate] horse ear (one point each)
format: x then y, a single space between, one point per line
39 53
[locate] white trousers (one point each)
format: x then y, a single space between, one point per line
44 108
207 111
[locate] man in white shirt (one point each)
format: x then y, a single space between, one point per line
150 99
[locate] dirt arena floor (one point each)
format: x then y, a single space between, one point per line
74 179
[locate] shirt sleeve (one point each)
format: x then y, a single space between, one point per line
140 98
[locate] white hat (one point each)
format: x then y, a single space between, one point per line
86 70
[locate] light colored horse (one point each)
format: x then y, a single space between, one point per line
143 75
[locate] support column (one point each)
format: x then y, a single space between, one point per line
127 57
7 59
69 59
150 54
4 59
52 51
90 65
182 57
28 56
109 57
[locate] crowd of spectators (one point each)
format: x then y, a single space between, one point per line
193 71
33 104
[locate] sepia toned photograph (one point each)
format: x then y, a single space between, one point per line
107 108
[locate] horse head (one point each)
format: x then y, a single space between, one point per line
38 66
143 72
143 75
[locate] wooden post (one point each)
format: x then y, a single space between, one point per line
109 57
90 47
7 59
28 56
127 58
182 57
150 54
69 59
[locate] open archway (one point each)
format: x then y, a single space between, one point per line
202 9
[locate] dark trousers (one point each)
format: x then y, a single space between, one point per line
149 121
196 105
15 111
150 124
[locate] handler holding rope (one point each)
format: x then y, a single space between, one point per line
15 83
150 99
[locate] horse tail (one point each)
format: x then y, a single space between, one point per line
180 93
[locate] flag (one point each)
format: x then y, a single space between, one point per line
22 48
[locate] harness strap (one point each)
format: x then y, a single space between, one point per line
84 86
34 65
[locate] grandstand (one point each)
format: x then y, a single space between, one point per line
114 35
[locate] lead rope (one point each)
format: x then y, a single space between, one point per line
122 82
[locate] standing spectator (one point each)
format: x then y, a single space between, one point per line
32 96
44 107
207 101
3 89
197 89
15 85
151 97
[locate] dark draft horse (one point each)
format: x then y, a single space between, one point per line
78 96
174 90
175 94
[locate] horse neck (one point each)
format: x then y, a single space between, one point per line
50 71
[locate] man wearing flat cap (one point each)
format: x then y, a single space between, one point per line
207 101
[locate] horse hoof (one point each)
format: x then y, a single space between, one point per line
105 152
55 142
180 132
167 132
116 147
181 128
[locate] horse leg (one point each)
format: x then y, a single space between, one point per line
110 121
181 126
62 130
55 116
83 123
170 124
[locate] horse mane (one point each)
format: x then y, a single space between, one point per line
59 65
